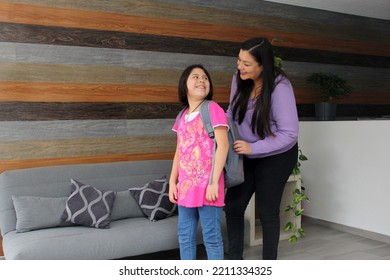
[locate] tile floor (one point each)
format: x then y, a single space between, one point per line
321 243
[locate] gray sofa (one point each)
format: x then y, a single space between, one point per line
130 232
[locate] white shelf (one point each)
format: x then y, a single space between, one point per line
253 236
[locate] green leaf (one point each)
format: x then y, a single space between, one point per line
293 239
297 200
301 232
288 226
297 191
299 212
288 208
302 157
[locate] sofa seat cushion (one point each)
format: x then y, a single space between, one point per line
127 237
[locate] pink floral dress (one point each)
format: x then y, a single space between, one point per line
195 150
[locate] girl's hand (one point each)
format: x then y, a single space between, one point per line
242 147
212 192
173 192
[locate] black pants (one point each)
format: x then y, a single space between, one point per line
267 177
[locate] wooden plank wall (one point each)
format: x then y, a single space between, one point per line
96 81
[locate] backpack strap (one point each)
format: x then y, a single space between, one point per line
206 119
179 115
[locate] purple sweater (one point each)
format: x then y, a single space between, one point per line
283 120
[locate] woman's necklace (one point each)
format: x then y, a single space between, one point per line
187 115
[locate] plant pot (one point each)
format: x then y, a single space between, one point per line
325 111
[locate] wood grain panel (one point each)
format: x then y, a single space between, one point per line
152 110
290 18
366 111
38 111
30 14
95 56
87 74
29 163
77 129
348 111
16 150
308 96
67 92
34 111
257 15
328 57
24 72
74 129
169 46
38 34
92 74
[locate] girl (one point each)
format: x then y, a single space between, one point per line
190 187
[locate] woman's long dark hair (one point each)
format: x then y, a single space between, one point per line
261 49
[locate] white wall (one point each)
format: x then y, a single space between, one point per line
347 176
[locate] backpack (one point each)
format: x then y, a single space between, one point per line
234 167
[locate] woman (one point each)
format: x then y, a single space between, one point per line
262 104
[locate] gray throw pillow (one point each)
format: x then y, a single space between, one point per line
33 212
88 206
153 199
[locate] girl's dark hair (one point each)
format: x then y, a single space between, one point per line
261 49
183 90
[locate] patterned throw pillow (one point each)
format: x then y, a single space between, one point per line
88 206
153 199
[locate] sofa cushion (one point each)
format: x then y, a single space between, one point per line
88 206
33 212
125 207
153 199
126 237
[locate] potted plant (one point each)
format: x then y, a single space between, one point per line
332 88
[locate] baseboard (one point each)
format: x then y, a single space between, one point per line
348 229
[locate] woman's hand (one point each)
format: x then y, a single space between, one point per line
242 147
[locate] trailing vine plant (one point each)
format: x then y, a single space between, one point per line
295 205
